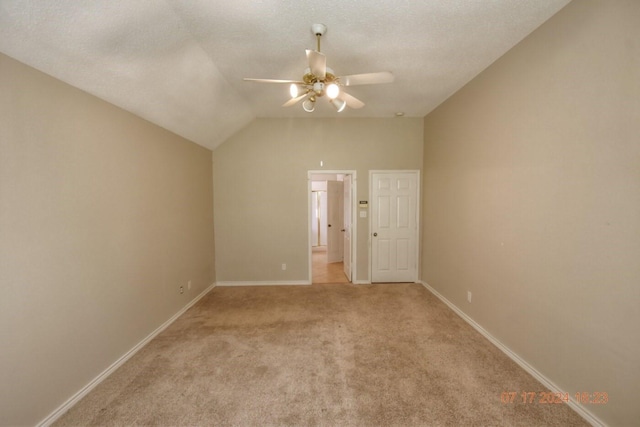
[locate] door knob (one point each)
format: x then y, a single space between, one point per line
375 234
329 225
343 229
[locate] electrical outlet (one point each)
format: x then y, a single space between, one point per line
469 296
189 285
181 289
284 267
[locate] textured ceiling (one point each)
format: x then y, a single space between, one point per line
180 63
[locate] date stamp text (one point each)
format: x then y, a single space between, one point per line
549 397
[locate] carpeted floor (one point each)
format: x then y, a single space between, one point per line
321 355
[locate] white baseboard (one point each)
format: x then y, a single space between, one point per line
584 413
51 418
266 283
361 282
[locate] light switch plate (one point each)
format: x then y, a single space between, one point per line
363 214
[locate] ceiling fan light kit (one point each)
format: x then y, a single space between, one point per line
340 104
309 105
319 80
333 91
294 90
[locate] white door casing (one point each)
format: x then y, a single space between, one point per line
335 244
354 229
394 226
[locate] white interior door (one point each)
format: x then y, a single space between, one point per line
346 228
315 218
394 226
322 211
334 221
318 218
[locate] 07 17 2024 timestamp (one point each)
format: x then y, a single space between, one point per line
550 397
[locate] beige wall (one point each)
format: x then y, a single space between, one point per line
261 196
531 200
102 217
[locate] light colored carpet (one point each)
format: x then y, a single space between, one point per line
321 355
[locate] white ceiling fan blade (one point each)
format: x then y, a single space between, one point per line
295 100
352 101
317 64
367 79
273 81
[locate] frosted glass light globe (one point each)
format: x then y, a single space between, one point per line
333 91
293 90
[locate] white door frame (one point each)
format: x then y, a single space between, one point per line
418 203
354 226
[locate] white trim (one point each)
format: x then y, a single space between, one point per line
266 283
361 282
418 205
550 385
354 218
53 417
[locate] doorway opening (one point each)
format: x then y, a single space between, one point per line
331 231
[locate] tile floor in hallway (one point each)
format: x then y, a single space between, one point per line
326 273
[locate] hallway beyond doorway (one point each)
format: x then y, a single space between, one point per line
324 272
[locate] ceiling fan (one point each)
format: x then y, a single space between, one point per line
319 80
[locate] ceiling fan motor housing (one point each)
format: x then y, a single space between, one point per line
310 79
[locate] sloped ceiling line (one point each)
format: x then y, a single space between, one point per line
180 64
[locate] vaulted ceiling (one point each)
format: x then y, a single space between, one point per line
180 63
